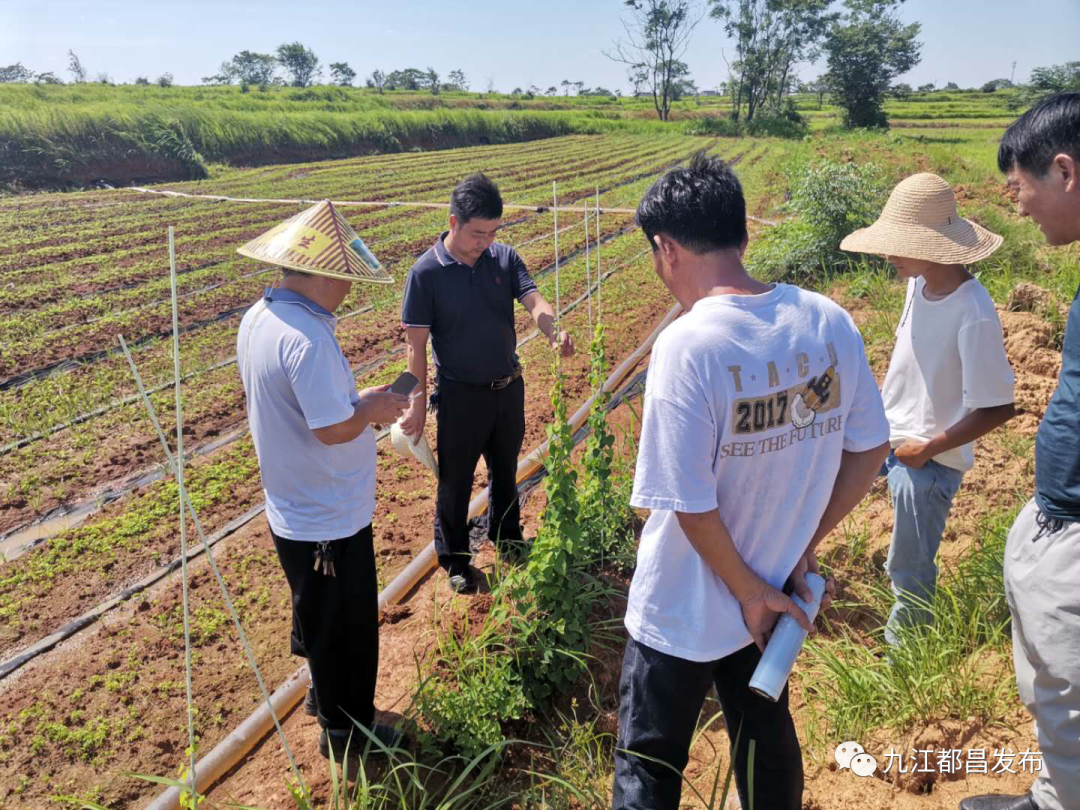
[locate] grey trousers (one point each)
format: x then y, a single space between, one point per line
1042 583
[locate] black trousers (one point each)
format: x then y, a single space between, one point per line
660 699
475 421
336 624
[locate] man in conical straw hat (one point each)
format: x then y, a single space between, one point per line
948 383
313 435
1040 155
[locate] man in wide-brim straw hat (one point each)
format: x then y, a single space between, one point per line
313 435
948 383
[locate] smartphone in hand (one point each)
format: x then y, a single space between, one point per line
405 384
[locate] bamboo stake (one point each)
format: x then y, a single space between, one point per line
183 513
598 240
588 272
558 311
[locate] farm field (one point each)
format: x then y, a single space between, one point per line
51 136
80 269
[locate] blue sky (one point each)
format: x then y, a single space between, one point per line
514 43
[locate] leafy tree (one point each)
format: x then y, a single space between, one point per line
75 68
1045 81
551 91
48 77
246 67
407 79
300 63
901 91
377 80
657 35
820 87
952 86
15 74
867 49
432 79
995 84
771 37
141 80
103 78
516 91
165 80
458 80
342 74
926 88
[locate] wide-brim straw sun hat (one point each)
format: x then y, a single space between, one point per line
319 241
920 222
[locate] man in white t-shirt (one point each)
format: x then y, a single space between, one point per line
312 433
948 383
762 429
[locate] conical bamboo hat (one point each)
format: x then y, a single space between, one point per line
318 241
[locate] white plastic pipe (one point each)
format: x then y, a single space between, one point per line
774 668
245 736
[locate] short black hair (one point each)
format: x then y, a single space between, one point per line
1049 128
701 207
476 197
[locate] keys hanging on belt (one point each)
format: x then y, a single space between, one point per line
324 559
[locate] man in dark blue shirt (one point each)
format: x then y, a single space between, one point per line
461 293
1040 154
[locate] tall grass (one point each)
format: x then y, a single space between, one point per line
47 146
957 667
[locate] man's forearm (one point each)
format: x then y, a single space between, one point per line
853 480
710 538
417 359
973 426
348 430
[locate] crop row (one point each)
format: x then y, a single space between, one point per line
404 245
65 466
53 582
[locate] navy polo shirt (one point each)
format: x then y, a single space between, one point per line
1057 444
470 310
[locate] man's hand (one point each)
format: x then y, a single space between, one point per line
561 341
380 406
761 608
808 563
412 423
913 453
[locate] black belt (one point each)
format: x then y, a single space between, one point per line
496 385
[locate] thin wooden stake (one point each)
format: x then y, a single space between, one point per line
558 303
588 272
598 240
183 511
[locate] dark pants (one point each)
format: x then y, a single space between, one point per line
660 698
476 421
336 624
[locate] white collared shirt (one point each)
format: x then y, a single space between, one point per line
297 380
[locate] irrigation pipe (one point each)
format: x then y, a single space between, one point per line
85 620
245 736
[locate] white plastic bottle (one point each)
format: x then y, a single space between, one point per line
787 639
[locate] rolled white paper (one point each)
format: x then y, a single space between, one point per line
787 639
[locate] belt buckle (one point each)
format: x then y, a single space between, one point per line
500 384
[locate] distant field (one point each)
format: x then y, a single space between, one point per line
77 135
79 269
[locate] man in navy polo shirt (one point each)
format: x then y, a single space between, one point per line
461 293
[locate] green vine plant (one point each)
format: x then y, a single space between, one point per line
602 521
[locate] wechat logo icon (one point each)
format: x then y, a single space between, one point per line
852 756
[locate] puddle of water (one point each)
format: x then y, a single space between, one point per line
19 542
